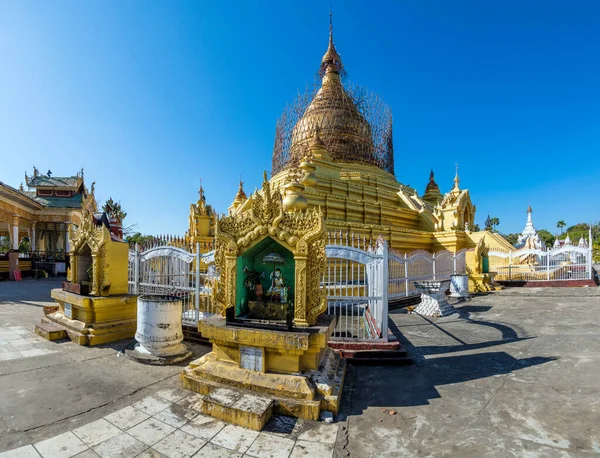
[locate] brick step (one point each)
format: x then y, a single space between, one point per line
235 406
51 331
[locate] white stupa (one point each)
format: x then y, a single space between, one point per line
529 236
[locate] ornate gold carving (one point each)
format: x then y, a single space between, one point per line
96 237
303 233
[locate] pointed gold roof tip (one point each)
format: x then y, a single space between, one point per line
331 61
529 209
456 180
241 195
432 192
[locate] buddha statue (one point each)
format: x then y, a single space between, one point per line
278 291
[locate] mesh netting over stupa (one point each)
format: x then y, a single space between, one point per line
354 125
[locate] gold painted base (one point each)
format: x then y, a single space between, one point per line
294 369
301 396
481 283
94 320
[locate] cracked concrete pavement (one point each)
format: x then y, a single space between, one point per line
46 395
516 373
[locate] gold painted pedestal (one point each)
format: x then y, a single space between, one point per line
92 320
294 369
481 283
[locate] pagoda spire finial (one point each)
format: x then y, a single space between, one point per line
331 62
456 180
431 175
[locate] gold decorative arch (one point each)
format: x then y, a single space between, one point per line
302 233
98 239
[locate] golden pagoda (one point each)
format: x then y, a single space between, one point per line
339 139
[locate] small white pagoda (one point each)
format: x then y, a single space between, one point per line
529 236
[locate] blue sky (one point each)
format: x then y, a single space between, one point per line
151 96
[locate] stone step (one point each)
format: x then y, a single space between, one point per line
51 331
302 408
238 407
377 357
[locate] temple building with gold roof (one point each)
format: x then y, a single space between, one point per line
43 210
334 150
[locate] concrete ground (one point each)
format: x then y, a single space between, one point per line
58 399
515 373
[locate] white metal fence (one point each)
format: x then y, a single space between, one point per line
406 268
555 264
355 280
175 271
360 277
363 275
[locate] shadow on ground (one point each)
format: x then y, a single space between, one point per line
415 385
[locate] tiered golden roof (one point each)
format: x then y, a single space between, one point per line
345 132
432 192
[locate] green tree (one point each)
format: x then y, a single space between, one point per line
114 210
560 225
25 245
476 228
495 222
4 243
138 238
511 238
546 237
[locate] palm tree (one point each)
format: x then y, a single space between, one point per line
495 222
560 225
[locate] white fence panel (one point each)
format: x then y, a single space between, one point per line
356 284
175 271
555 264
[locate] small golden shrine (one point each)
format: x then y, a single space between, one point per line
94 306
270 344
478 268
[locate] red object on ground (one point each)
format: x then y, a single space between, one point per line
17 274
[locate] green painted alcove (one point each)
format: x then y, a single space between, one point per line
253 259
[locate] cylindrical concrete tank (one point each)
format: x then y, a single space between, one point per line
159 331
459 286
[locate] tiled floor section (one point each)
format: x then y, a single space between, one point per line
21 342
167 425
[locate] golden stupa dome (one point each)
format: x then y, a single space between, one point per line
344 131
241 195
432 191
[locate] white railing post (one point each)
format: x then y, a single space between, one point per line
548 265
406 274
433 265
590 252
454 263
383 287
197 280
136 270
